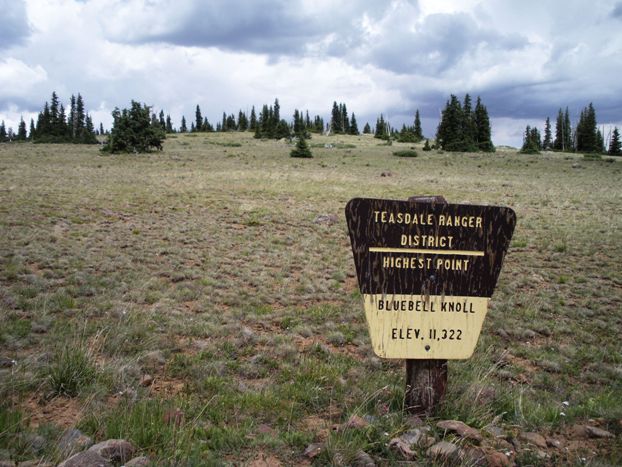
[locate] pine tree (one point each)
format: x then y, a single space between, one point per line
335 120
417 131
532 142
381 128
22 134
183 128
253 120
3 134
169 124
558 143
586 133
600 143
483 137
615 146
198 119
469 126
133 130
301 149
568 144
547 144
450 132
354 129
345 123
31 133
366 129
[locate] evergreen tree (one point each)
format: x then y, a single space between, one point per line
568 144
586 133
318 124
253 120
354 129
169 124
183 128
3 134
134 131
426 146
600 142
242 121
418 132
198 119
335 120
366 129
469 126
532 142
483 137
80 115
382 131
547 144
31 133
615 146
301 149
449 134
22 134
345 123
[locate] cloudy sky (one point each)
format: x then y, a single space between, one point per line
525 59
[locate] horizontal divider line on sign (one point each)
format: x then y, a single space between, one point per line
379 249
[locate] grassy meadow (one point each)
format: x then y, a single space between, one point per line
188 301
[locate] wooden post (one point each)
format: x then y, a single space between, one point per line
426 379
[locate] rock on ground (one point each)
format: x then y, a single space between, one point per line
114 450
444 451
534 438
85 459
72 441
460 428
138 462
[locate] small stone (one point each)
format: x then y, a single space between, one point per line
402 448
114 450
445 451
553 443
265 429
313 450
36 442
328 219
356 422
247 334
40 328
534 438
595 432
6 362
495 431
418 437
386 174
529 334
503 333
72 441
146 380
579 431
460 428
362 459
85 459
138 462
498 459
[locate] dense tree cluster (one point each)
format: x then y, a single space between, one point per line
134 131
339 122
464 129
532 141
55 125
383 130
411 134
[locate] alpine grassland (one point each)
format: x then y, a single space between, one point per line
201 302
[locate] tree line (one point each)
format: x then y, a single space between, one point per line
585 137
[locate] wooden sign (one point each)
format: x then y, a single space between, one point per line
427 272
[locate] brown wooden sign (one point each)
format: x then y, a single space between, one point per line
427 271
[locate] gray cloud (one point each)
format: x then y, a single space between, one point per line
617 11
14 28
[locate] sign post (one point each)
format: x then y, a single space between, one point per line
427 270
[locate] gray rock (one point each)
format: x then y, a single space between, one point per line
362 459
418 437
34 441
444 451
145 380
534 438
313 450
460 428
72 441
85 459
114 450
402 448
138 462
6 362
594 432
328 219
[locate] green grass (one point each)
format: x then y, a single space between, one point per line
203 267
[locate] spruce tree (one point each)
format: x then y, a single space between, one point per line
31 133
482 125
335 120
183 128
586 133
568 144
198 119
367 129
169 124
450 131
133 131
302 148
531 141
253 120
381 128
354 128
22 134
3 134
558 143
469 127
417 131
615 146
547 143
